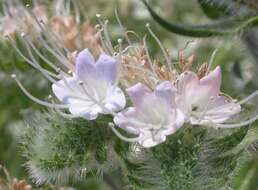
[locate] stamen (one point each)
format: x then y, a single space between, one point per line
45 32
49 34
168 62
105 32
142 69
122 27
111 125
45 72
62 59
255 93
41 69
211 60
41 55
128 48
148 56
119 41
44 103
241 124
104 46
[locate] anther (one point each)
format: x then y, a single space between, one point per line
97 26
58 70
119 41
13 76
23 34
98 15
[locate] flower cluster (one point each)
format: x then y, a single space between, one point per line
55 23
148 100
154 114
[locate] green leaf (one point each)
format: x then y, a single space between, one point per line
246 177
212 10
227 26
215 160
59 150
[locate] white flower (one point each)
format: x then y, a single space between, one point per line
153 115
201 99
92 89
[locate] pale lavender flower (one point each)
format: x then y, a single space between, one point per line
92 89
153 115
201 99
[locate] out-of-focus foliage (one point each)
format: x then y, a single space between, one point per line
227 23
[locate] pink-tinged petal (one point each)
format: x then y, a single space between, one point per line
85 65
192 94
116 100
137 93
222 109
187 80
107 67
166 91
195 93
213 79
219 110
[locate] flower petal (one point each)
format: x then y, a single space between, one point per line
62 90
107 67
116 100
195 93
222 109
85 109
166 91
123 120
213 79
85 65
147 140
137 93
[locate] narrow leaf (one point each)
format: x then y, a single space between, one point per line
228 26
213 11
